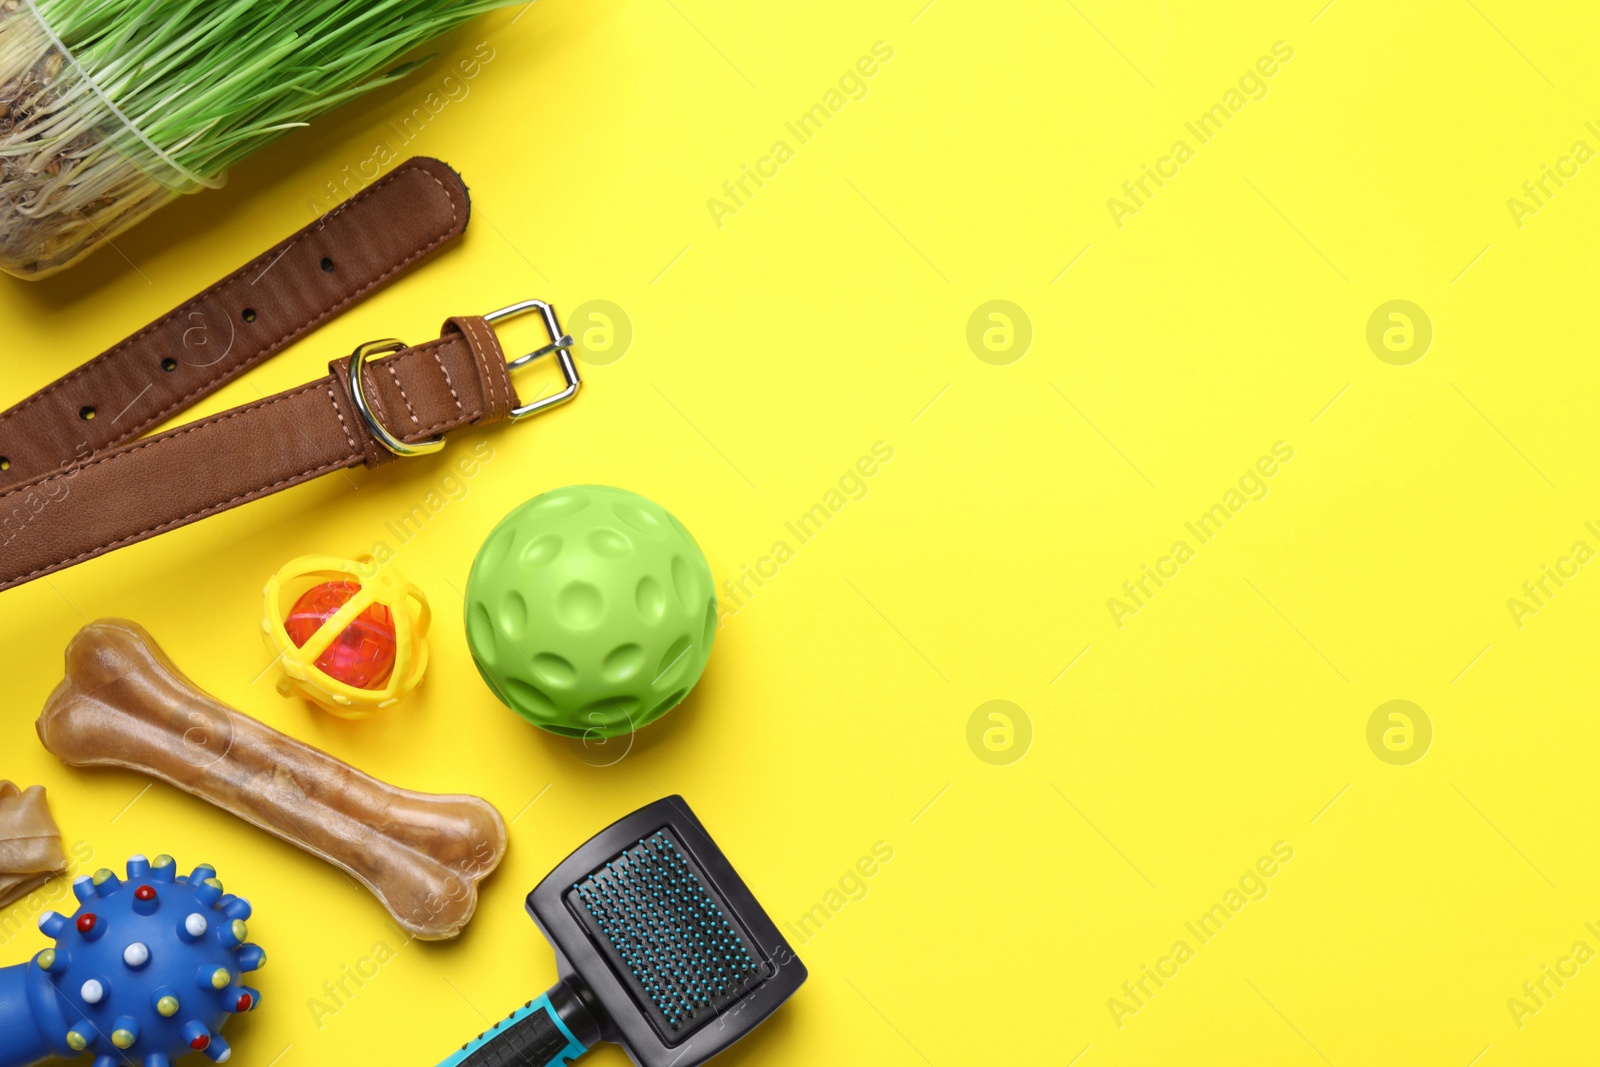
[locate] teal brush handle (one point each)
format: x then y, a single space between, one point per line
533 1036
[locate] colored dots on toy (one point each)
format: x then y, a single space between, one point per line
197 1035
351 635
590 611
132 992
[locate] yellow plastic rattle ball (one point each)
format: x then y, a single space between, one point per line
350 635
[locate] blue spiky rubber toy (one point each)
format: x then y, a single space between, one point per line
147 971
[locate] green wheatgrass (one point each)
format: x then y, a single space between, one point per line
204 82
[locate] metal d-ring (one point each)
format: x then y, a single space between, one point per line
380 432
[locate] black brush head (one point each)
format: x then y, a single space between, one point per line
660 939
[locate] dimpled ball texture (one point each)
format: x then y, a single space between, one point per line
590 611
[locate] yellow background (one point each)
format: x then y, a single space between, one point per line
830 312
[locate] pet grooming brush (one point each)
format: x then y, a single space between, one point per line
660 947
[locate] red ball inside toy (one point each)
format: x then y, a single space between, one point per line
363 655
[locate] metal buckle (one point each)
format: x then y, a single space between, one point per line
560 344
380 432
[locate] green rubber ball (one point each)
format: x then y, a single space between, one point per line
590 611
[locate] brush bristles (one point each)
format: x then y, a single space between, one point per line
667 932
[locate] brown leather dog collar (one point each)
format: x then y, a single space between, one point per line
75 479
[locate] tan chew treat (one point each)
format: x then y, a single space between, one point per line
30 844
124 704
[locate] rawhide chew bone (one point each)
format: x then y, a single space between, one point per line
124 704
30 844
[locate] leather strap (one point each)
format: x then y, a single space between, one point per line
247 317
74 482
148 487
